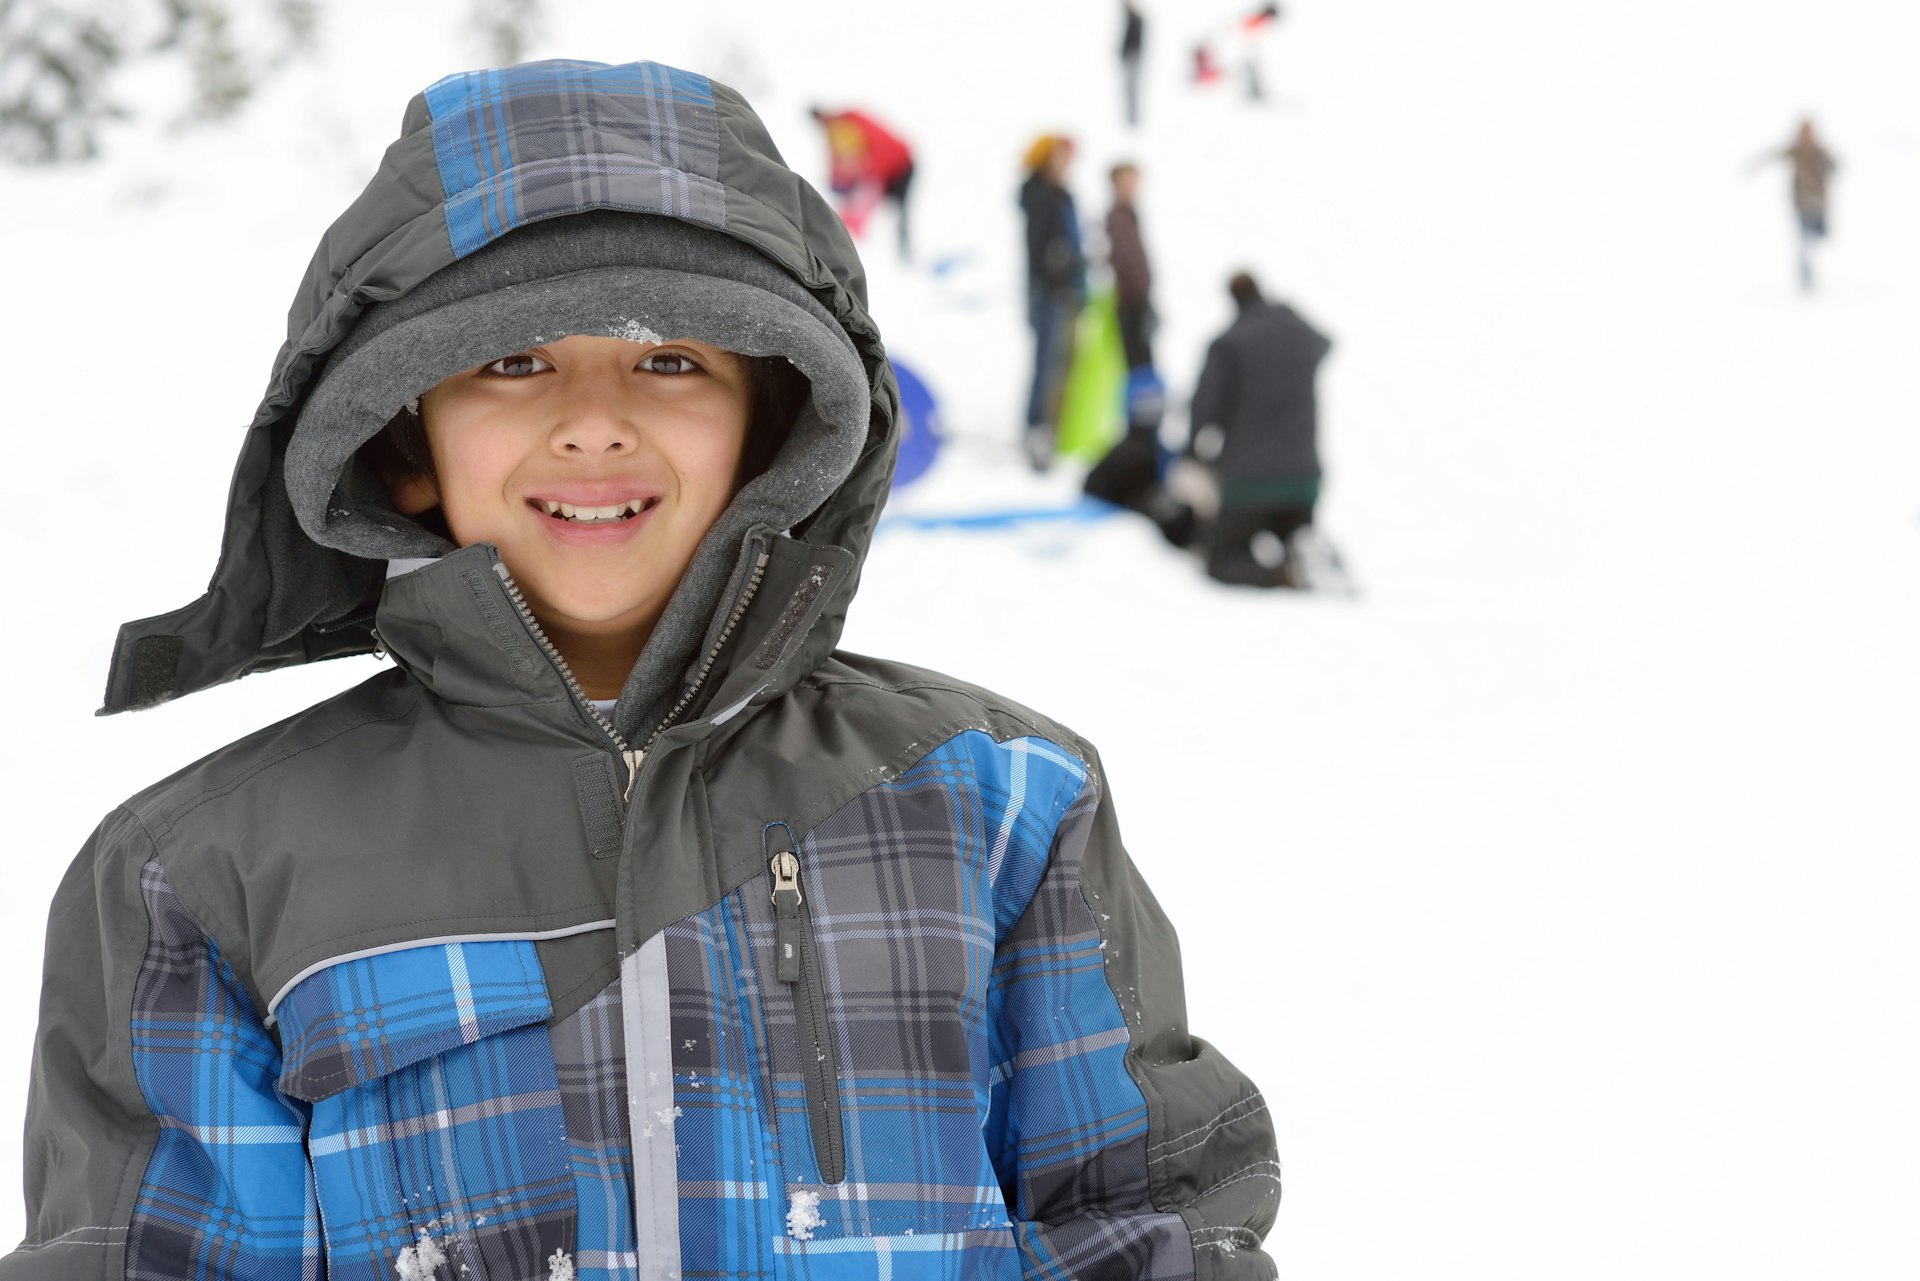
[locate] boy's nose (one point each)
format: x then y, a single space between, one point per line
593 425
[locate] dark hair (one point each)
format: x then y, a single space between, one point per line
775 392
1244 288
776 389
1124 167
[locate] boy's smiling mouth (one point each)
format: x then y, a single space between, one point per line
591 514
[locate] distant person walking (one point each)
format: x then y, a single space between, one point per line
1056 285
1255 420
1813 166
1130 472
870 163
1133 43
1253 28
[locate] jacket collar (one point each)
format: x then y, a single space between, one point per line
455 625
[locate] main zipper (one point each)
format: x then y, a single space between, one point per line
629 755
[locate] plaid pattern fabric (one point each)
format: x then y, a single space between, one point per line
362 1019
543 139
450 1133
589 1051
438 1133
226 1192
1067 1123
938 908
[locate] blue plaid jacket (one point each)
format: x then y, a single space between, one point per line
928 1070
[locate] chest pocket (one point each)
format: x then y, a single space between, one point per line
438 1142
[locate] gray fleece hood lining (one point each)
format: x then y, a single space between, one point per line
686 283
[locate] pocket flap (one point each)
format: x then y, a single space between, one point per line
360 1019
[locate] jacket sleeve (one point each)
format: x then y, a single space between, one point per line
1126 1147
156 1142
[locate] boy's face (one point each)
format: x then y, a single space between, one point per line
641 442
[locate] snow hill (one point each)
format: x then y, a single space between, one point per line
1558 889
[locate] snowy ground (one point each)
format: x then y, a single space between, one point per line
1557 890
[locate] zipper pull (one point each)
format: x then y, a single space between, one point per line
632 759
786 916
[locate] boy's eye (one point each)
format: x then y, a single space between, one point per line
518 365
668 362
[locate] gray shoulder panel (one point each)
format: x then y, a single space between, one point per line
88 1130
378 819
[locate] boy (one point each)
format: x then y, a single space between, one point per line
622 928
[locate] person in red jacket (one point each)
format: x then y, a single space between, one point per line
871 163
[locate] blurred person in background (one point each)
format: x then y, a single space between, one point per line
1252 28
1255 422
1056 285
871 163
1132 272
1813 165
1130 472
1246 32
1133 42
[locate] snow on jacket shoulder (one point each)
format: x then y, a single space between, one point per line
851 975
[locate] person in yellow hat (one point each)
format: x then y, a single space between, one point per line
1056 284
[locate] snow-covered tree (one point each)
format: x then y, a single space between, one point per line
60 60
55 62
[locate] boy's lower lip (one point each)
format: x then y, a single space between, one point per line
594 533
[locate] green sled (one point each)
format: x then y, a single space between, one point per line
1093 402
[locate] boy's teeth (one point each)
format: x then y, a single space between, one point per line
575 511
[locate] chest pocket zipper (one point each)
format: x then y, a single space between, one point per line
797 965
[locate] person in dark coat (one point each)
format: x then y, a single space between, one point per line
1130 472
1133 41
1132 272
1056 285
1255 419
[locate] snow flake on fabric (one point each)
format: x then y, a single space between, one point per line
633 331
419 1261
803 1215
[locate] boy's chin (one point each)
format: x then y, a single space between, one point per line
591 616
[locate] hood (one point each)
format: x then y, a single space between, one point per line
479 155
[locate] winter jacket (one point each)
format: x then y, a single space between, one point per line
1813 165
1056 264
842 972
1258 386
1127 254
